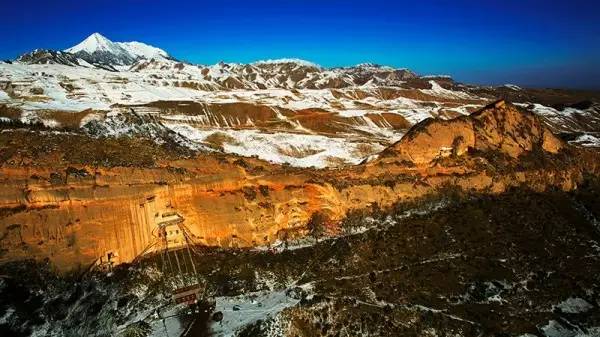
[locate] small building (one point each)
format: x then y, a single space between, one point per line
170 231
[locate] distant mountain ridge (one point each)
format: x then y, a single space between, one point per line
282 73
97 51
283 110
47 56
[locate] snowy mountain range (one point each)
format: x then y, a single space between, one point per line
98 49
286 110
99 52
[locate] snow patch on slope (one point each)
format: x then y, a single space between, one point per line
300 150
586 140
143 50
288 60
512 87
4 96
556 329
241 311
574 305
438 90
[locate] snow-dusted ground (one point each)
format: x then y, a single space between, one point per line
241 311
574 305
289 60
587 140
170 324
66 88
37 88
556 329
437 90
314 150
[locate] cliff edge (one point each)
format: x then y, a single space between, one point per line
74 212
498 127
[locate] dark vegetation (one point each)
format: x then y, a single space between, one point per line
36 148
317 225
458 262
533 250
37 126
558 98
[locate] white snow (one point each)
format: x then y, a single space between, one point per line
353 113
274 147
586 140
414 116
67 88
551 112
435 76
90 117
556 329
513 87
545 110
143 50
6 317
288 60
97 42
171 323
161 80
94 42
373 65
4 96
568 119
574 305
438 90
249 309
99 89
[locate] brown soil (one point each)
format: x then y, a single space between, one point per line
218 139
10 112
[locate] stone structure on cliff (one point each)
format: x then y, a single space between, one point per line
227 201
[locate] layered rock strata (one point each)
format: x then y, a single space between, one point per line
74 214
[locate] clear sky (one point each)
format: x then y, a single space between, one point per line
527 42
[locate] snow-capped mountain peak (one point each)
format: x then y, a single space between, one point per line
95 42
97 49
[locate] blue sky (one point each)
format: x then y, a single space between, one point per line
527 42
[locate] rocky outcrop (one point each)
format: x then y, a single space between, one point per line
46 56
284 73
74 214
497 127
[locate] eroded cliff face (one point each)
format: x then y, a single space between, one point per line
74 214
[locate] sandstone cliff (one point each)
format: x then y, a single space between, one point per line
498 127
74 213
